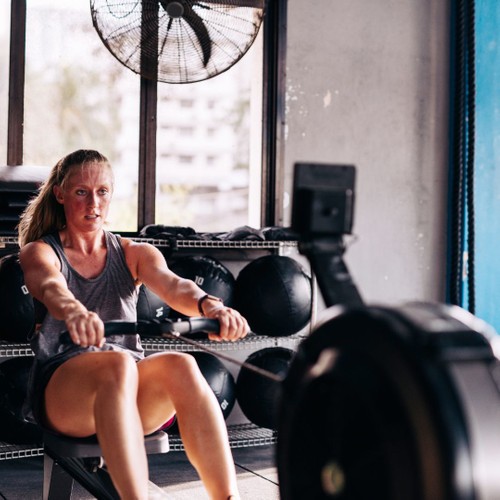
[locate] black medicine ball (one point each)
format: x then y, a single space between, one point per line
208 273
17 312
257 395
14 375
150 306
274 294
219 379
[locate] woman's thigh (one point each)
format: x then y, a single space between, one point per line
71 391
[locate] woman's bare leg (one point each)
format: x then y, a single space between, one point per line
96 393
171 382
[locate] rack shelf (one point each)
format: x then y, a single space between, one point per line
152 344
240 436
210 244
205 244
14 350
12 451
250 342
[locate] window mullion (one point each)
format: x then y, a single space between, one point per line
16 82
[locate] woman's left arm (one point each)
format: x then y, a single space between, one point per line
148 266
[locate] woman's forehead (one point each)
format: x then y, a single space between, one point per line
91 172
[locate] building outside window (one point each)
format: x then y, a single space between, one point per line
211 192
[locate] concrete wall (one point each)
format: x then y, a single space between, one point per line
367 84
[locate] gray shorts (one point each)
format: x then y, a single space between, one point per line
39 378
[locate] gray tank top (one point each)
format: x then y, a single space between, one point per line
112 295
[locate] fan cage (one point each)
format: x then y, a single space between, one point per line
150 37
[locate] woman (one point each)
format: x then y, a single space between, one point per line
85 275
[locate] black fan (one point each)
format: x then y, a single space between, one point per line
177 41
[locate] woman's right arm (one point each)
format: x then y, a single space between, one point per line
43 278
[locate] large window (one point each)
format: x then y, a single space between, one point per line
208 165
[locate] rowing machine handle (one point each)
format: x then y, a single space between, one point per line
155 328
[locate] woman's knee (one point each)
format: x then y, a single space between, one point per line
117 369
177 370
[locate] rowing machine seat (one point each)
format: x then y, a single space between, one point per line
67 459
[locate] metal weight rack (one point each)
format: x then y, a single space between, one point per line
234 254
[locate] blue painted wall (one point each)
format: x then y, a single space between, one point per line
487 162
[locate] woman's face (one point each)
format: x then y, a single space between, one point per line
86 195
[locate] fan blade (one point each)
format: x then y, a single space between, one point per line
256 4
200 30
